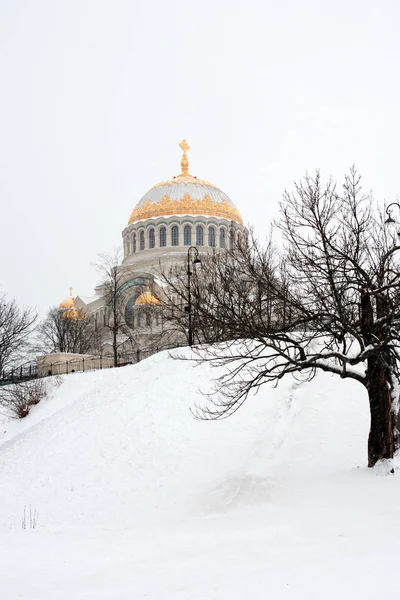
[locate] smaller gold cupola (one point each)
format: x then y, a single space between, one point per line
69 302
147 298
68 310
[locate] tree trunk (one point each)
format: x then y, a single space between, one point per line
394 396
115 346
380 440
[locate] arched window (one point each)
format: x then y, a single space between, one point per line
152 238
141 237
239 240
174 236
163 237
187 235
199 236
134 242
156 319
222 238
211 237
148 319
231 240
129 311
139 320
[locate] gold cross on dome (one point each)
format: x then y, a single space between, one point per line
70 290
185 146
184 162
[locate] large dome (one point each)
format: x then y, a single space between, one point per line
185 195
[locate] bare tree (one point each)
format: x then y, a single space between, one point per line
60 334
112 279
16 326
227 287
328 300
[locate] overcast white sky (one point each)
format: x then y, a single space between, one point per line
97 94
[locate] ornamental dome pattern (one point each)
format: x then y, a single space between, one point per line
185 195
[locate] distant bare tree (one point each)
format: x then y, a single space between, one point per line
16 326
328 300
59 334
112 278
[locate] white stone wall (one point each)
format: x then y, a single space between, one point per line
65 362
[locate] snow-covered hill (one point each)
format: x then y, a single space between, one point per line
136 499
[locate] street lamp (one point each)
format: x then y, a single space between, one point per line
193 260
390 222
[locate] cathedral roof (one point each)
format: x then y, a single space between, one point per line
185 194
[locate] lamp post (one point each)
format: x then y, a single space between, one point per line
192 261
390 221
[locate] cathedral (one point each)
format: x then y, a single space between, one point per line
172 217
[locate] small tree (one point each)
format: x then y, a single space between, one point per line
60 334
328 300
112 278
16 326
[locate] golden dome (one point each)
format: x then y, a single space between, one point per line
68 302
185 195
147 299
68 310
73 314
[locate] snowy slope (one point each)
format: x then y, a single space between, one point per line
137 499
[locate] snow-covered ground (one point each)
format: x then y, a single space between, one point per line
136 499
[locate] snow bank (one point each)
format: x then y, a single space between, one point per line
137 499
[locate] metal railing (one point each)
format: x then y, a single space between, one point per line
30 370
24 372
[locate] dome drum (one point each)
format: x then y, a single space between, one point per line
177 233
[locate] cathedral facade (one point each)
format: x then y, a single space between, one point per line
170 218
